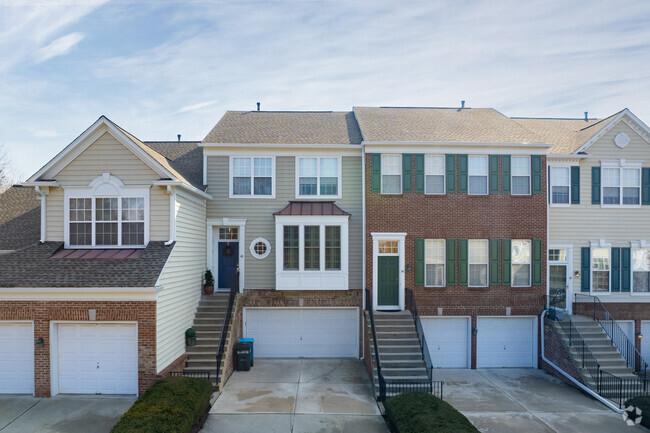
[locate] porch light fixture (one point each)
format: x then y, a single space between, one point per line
474 331
39 342
639 335
576 274
409 267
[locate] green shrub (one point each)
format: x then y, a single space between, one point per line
419 412
642 403
173 405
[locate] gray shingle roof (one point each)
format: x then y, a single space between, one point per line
311 208
452 125
20 218
186 157
35 267
284 127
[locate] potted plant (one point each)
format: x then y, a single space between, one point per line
208 286
190 337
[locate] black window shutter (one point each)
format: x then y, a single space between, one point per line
375 172
575 185
407 172
585 269
595 185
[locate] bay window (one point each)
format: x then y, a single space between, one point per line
391 174
251 177
478 175
478 263
318 177
520 263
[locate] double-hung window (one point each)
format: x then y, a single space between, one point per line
251 177
318 177
478 263
478 174
434 263
520 175
621 186
641 270
434 171
600 268
560 185
333 248
291 252
391 174
312 248
520 263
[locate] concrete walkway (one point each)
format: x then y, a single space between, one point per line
526 400
298 396
61 414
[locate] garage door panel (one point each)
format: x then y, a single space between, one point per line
447 339
505 342
16 358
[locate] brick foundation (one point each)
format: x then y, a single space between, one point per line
43 312
555 351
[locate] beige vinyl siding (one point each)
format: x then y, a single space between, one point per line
258 212
577 225
158 214
182 280
54 215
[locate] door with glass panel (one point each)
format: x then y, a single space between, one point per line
560 293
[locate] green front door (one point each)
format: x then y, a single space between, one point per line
388 281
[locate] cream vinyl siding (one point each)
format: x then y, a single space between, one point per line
578 224
106 154
258 212
182 280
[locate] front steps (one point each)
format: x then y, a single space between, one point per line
399 348
208 322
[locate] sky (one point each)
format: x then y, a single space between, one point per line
161 68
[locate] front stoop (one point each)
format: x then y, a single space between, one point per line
208 323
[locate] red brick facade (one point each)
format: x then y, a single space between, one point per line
461 216
42 312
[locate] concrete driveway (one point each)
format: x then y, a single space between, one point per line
526 400
298 396
61 414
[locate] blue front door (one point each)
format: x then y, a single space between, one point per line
228 260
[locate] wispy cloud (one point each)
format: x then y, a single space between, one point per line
195 107
59 47
45 133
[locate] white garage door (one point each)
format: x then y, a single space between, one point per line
505 342
16 358
97 358
645 341
302 333
447 339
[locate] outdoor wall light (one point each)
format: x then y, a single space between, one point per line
39 342
474 331
576 274
409 267
639 335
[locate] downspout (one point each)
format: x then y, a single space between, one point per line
172 215
43 199
574 381
363 249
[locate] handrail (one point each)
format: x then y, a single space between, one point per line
588 359
619 339
413 308
620 390
380 377
226 323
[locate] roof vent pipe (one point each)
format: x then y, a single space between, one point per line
179 137
586 116
258 106
462 104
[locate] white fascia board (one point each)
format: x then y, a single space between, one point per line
178 183
41 183
283 151
279 145
644 133
570 156
469 148
456 144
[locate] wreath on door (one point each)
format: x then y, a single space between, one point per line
228 251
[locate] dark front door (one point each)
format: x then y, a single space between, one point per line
558 285
228 260
388 281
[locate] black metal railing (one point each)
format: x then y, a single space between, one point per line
619 390
380 378
234 289
396 387
198 374
595 309
577 343
411 305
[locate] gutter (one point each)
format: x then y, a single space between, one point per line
575 382
43 199
183 185
363 251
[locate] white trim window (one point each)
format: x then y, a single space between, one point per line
621 186
560 185
520 173
520 266
434 263
478 174
641 270
434 174
252 177
312 253
600 269
391 173
477 263
318 177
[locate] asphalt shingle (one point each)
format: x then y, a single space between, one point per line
20 218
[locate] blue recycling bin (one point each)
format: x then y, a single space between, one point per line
249 340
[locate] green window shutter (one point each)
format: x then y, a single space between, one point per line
462 173
626 274
494 174
505 174
616 270
451 262
494 262
645 185
450 168
407 172
537 174
375 172
595 185
575 185
537 262
585 269
506 252
419 262
419 172
462 262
